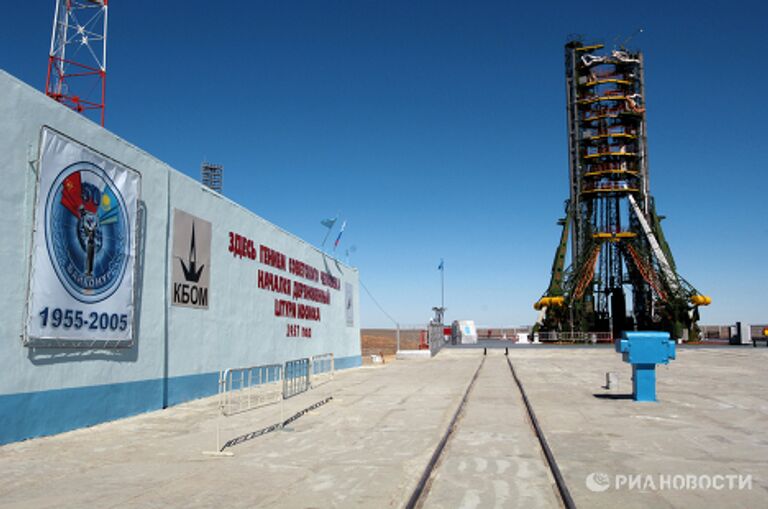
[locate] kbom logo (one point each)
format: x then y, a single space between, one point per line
598 482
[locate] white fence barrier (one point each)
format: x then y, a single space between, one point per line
323 368
296 377
575 337
243 389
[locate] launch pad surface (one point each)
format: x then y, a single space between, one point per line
372 443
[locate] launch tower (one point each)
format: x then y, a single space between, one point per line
622 275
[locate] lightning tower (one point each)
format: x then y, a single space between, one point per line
622 275
212 176
77 62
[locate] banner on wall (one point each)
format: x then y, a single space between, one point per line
81 287
191 260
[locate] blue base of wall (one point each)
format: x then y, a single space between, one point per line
348 362
35 414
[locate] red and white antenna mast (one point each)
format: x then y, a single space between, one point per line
77 63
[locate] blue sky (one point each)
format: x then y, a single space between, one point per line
437 129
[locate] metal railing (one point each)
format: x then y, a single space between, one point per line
296 377
500 333
575 337
323 368
243 389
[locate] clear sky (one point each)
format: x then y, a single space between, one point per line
437 129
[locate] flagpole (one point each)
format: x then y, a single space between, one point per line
325 238
328 223
442 285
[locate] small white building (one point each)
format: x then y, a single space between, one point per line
464 332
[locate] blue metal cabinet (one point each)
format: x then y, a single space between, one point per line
644 350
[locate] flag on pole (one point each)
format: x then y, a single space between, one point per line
336 244
328 223
441 266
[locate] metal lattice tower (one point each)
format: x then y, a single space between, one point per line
213 176
620 260
77 62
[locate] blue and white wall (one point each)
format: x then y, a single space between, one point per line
178 351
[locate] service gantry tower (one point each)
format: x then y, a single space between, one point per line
622 275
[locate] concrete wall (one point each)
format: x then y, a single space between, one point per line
178 351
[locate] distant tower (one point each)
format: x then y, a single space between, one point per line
622 275
77 63
213 176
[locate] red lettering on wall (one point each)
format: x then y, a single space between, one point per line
271 257
301 269
330 280
241 246
302 291
274 282
293 330
285 308
306 312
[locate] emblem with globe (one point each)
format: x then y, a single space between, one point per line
87 232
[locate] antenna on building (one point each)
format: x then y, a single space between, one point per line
77 62
212 176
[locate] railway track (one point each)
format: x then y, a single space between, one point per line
493 451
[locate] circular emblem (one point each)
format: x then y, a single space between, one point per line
87 232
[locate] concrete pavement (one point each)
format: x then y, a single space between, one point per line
369 445
710 421
366 448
